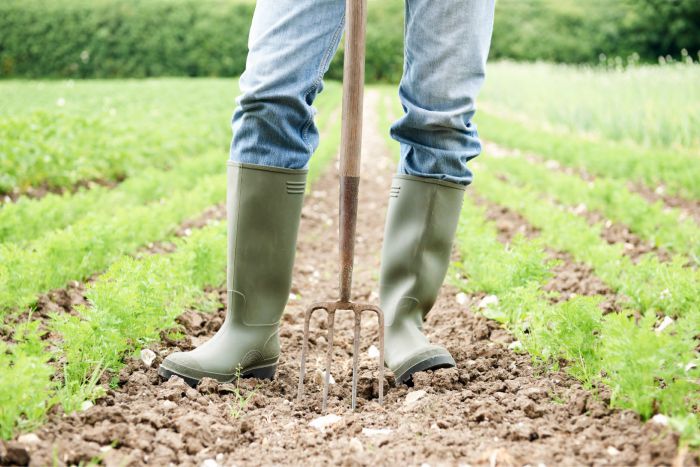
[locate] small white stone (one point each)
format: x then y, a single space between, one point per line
552 164
147 357
86 405
376 431
29 438
168 405
321 377
461 298
515 345
373 352
488 301
580 209
292 296
209 463
667 321
413 397
690 366
660 419
613 451
356 446
321 423
105 448
220 457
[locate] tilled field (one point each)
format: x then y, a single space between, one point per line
495 408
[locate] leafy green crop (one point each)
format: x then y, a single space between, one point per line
678 172
664 227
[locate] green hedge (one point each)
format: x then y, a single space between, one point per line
139 38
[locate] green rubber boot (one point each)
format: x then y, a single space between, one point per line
264 210
420 227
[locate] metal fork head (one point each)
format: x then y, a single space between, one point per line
331 308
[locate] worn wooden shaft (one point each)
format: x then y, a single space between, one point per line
351 136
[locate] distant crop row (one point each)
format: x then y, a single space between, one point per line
664 227
651 285
678 172
45 243
650 106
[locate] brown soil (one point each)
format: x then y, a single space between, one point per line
689 207
36 192
614 232
495 408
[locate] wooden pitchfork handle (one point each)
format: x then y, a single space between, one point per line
351 136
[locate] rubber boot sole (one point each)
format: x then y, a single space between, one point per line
265 372
432 363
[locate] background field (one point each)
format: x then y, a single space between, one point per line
580 235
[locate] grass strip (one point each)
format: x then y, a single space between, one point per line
646 370
669 288
664 227
28 219
679 173
92 244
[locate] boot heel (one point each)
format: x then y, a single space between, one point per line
266 372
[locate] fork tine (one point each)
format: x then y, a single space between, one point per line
380 319
355 356
329 359
304 351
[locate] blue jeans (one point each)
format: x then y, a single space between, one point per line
291 44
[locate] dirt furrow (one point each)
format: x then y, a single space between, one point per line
38 192
68 298
690 208
570 277
495 408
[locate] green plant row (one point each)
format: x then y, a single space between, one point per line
94 242
27 219
678 172
647 371
653 222
58 150
129 305
25 380
669 288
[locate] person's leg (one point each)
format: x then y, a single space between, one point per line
290 47
446 47
291 43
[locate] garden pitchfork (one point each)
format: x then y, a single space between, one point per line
351 139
